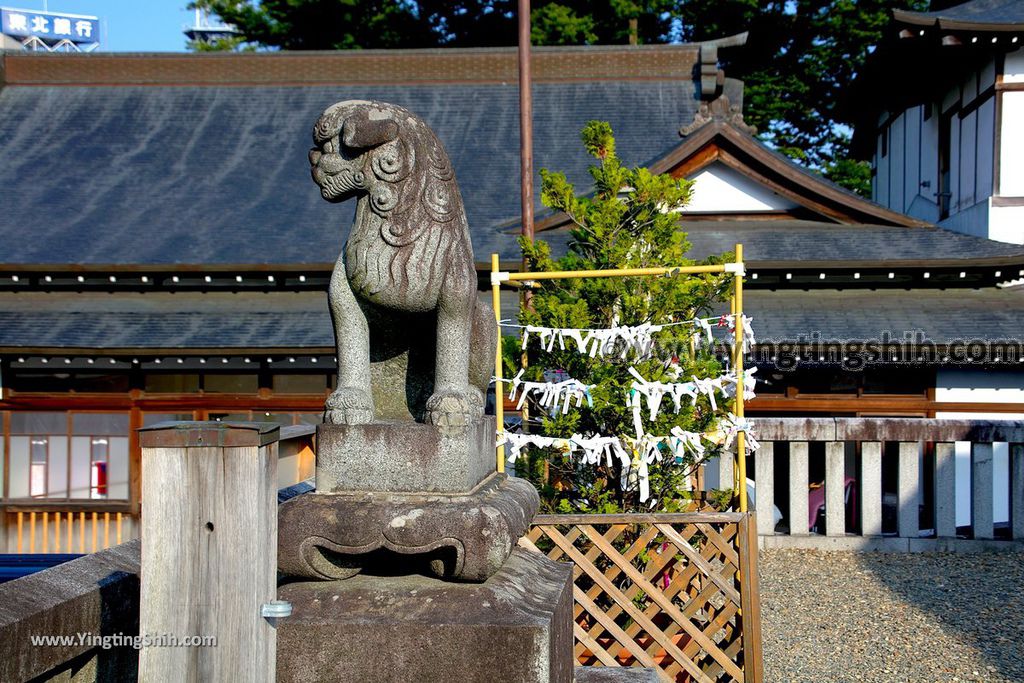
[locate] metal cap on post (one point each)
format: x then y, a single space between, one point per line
209 550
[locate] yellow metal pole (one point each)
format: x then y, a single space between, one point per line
613 272
499 386
741 438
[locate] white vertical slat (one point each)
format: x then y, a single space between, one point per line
908 494
981 490
835 488
798 488
871 488
764 473
945 490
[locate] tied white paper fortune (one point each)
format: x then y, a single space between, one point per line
552 395
635 455
654 392
598 343
705 330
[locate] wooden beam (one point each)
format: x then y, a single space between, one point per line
134 460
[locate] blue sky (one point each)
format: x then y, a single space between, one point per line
127 25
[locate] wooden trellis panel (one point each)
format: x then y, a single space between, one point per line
675 592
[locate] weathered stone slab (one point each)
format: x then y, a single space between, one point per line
403 457
463 537
514 628
615 674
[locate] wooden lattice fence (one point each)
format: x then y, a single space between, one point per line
676 592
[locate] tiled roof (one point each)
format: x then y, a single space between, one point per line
982 15
800 243
165 170
301 321
835 315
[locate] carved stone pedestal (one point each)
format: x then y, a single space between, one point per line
406 495
514 628
460 536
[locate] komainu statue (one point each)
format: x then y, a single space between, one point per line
406 273
405 463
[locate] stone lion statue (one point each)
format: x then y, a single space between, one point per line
403 294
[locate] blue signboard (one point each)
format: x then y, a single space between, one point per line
49 25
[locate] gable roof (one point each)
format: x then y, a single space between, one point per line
201 158
976 15
816 197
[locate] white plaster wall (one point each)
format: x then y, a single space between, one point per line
1013 67
718 188
1006 224
1011 155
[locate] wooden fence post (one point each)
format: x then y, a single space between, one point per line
753 662
209 550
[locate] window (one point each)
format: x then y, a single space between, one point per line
300 384
39 455
38 458
99 456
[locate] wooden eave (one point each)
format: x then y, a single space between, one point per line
948 24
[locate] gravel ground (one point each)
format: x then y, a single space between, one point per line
831 616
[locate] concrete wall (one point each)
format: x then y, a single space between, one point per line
980 386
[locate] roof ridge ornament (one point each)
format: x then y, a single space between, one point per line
719 109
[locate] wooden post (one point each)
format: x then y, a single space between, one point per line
209 549
750 603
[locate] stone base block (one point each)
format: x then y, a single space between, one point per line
615 674
514 628
403 456
464 537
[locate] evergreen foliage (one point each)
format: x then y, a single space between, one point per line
630 221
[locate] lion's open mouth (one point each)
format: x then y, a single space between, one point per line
334 186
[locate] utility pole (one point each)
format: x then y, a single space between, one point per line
525 121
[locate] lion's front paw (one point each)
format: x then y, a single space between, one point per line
449 411
349 406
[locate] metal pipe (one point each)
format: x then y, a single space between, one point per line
741 438
525 121
613 272
499 393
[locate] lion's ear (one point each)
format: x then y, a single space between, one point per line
359 132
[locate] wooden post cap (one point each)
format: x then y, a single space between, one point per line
191 434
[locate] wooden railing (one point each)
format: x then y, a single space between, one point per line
674 592
59 531
885 483
88 526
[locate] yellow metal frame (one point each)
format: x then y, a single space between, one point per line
736 306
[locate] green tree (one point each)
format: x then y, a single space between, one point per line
630 221
799 59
